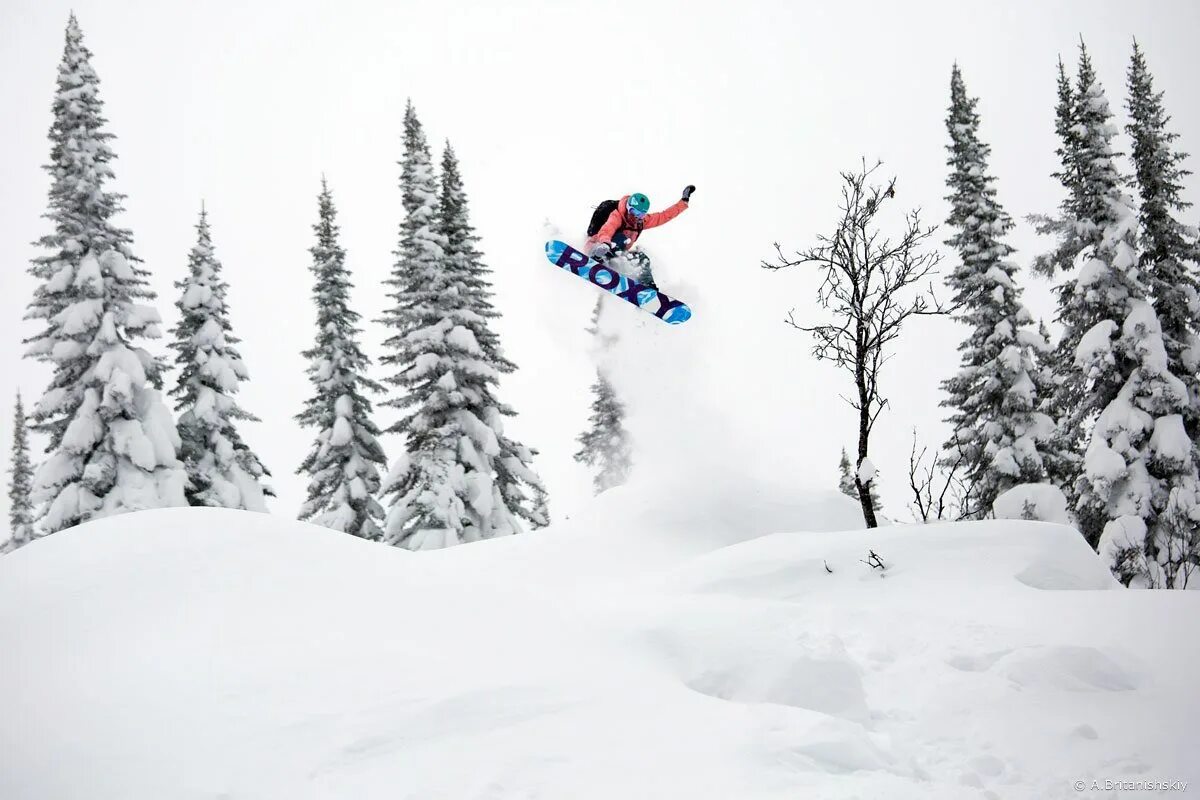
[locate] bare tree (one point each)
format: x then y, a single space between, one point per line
939 485
866 285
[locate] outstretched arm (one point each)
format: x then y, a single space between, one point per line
666 215
656 219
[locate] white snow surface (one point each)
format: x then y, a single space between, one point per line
674 642
1040 501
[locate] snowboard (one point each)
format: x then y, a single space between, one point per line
652 301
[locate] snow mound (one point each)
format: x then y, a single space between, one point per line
1083 669
786 566
1040 501
657 649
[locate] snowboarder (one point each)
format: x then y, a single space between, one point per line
617 224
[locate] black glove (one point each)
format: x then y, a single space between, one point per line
687 193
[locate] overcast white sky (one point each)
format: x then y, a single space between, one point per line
553 107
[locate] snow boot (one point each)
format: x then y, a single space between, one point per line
642 262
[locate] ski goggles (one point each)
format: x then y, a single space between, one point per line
636 212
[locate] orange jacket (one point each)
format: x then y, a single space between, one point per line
622 222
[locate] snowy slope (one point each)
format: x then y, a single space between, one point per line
647 650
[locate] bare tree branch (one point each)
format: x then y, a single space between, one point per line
873 561
940 487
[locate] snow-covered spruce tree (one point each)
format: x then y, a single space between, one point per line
1062 452
112 441
424 489
1170 250
346 458
20 508
222 470
448 485
605 444
1096 230
521 490
845 478
1169 253
996 422
1139 470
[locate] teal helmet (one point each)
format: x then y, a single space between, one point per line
638 204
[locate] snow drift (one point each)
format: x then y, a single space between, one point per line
649 650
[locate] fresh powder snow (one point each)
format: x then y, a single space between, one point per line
719 642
